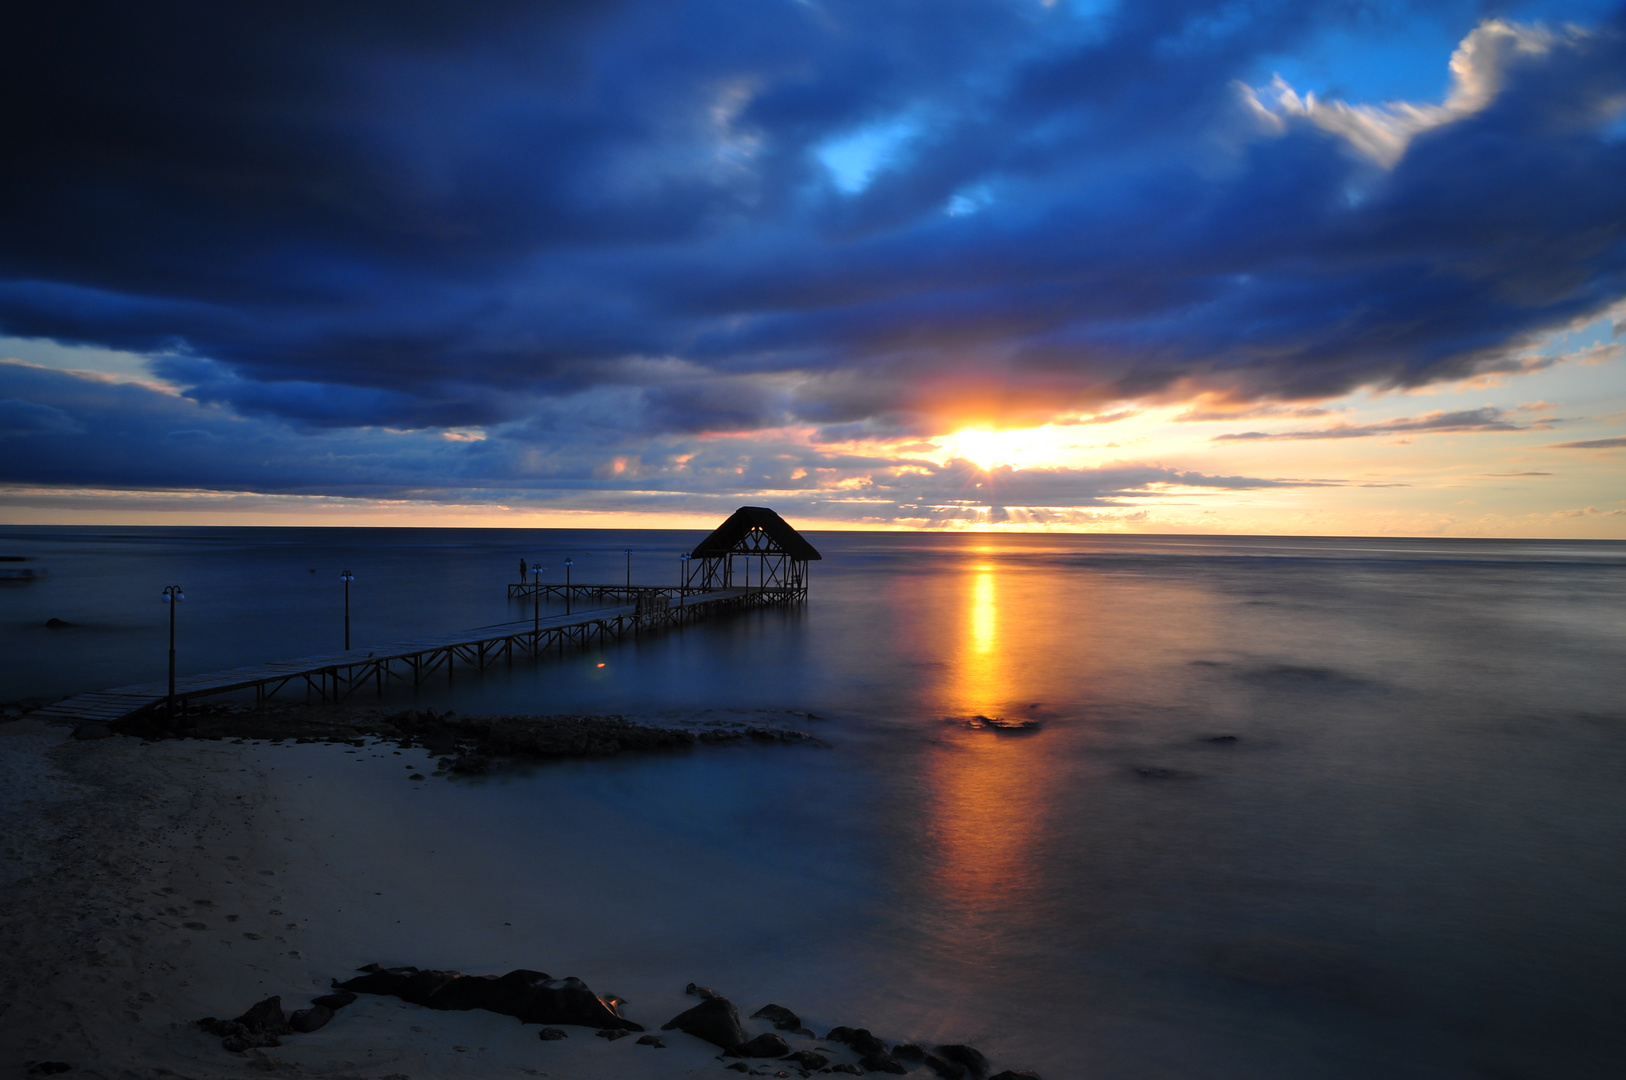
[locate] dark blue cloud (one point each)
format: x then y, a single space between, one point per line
424 215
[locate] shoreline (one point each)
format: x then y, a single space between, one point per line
148 886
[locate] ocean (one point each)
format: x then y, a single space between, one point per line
1290 807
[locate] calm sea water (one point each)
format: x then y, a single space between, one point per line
1408 863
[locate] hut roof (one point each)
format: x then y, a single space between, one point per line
731 534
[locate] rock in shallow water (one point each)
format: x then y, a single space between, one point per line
715 1020
779 1016
551 1035
968 1057
765 1045
881 1061
859 1039
807 1059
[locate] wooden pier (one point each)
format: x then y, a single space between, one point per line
335 677
752 533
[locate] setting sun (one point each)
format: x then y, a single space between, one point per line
1016 447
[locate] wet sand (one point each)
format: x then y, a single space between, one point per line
148 885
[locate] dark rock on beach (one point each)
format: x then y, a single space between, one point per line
700 991
311 1019
335 1001
534 997
967 1057
551 1035
948 1070
909 1052
765 1045
847 1067
715 1020
262 1025
652 1040
612 1034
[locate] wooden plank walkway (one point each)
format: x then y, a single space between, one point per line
335 676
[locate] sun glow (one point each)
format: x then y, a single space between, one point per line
1047 446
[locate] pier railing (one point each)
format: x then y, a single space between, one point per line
336 677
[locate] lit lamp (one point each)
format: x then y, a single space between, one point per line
683 577
172 595
347 577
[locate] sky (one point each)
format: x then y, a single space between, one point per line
1282 266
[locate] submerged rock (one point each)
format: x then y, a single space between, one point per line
651 1040
1157 772
551 1035
1000 724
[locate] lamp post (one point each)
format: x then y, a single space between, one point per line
568 564
536 602
347 577
629 570
172 595
683 577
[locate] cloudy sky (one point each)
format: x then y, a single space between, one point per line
1269 266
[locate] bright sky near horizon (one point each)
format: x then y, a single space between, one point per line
1318 267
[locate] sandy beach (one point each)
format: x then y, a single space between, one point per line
151 884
